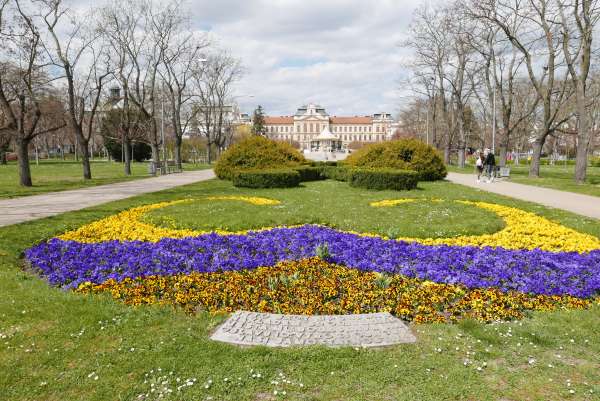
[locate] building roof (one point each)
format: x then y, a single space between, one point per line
351 120
279 120
325 135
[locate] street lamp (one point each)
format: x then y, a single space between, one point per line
494 121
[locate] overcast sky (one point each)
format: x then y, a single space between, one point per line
342 54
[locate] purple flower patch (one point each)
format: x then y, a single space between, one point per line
70 263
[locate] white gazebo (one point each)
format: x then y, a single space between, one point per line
325 142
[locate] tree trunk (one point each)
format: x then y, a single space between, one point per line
178 152
503 149
127 156
23 155
85 160
208 153
3 151
156 156
534 168
583 136
447 154
461 156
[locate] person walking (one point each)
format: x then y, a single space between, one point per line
490 165
479 166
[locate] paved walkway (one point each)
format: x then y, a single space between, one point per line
274 330
584 205
26 208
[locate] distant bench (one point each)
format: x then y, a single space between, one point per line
163 168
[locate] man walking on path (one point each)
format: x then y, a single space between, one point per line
490 165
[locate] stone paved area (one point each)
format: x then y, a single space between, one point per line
584 205
26 208
273 330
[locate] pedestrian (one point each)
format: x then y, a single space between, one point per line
490 165
479 166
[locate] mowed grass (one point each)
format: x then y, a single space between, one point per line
348 209
558 176
51 176
57 345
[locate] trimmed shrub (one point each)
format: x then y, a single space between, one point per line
281 178
308 173
336 173
324 163
403 154
383 178
257 153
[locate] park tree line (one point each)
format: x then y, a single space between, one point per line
519 73
135 72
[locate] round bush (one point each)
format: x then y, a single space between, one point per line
282 178
256 153
403 154
383 178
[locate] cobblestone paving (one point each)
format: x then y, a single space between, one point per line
273 330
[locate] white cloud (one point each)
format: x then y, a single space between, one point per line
343 54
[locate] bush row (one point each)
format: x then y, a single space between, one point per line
383 178
277 178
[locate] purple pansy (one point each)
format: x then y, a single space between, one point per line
70 263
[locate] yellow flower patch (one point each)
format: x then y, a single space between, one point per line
254 200
391 202
127 225
523 230
313 286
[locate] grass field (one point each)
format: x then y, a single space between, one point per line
556 177
57 345
51 176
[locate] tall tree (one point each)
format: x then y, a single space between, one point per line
258 121
578 18
74 46
538 38
179 60
27 103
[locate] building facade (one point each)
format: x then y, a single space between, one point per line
310 120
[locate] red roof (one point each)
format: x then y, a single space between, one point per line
279 120
351 120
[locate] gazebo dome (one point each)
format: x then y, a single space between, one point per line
325 135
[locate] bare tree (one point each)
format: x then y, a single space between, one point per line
85 66
537 38
578 19
501 66
179 59
28 106
214 84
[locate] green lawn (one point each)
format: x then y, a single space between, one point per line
556 177
51 176
57 345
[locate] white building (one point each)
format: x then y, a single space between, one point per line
311 120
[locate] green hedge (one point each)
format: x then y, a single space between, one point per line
308 173
383 178
257 153
403 154
336 173
281 178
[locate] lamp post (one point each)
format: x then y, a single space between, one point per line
162 127
494 121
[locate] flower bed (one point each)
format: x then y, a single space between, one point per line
69 263
313 286
531 264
